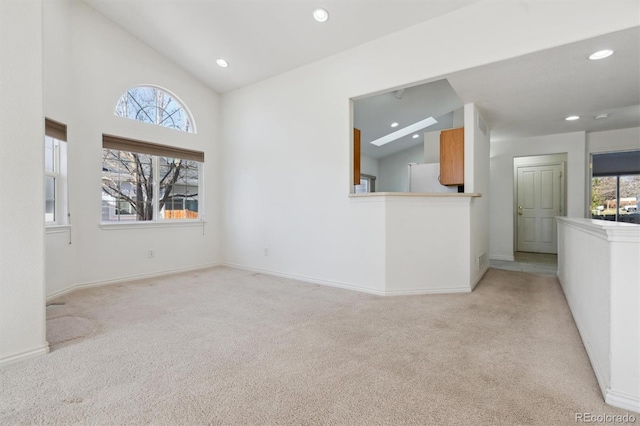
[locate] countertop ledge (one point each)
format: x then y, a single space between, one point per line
417 194
606 230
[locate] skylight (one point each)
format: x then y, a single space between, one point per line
423 124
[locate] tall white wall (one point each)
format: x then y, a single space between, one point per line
613 140
102 62
60 267
432 146
22 294
57 27
476 180
394 175
288 194
292 196
501 182
369 165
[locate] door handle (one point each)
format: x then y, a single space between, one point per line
520 210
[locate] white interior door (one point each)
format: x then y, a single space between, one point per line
539 202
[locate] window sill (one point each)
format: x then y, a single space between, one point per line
145 225
57 229
417 194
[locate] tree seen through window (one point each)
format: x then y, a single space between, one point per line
134 185
152 105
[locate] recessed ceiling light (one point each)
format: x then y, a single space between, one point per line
223 63
598 117
573 118
416 136
394 124
320 15
601 54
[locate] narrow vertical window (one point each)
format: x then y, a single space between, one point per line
51 178
55 167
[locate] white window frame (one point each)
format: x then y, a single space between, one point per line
120 109
59 174
371 183
616 175
115 223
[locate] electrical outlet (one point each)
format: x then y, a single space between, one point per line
266 251
150 254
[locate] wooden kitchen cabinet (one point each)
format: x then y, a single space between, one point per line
452 157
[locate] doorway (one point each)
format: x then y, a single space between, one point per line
539 197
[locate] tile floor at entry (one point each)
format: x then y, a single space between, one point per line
537 263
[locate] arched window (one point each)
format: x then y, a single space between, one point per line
153 105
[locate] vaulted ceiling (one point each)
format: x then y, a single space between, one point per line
526 96
261 38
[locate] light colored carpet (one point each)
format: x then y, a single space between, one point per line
224 346
65 329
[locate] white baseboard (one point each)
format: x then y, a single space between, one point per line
479 277
350 286
598 369
21 356
306 279
131 278
427 291
505 257
623 400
